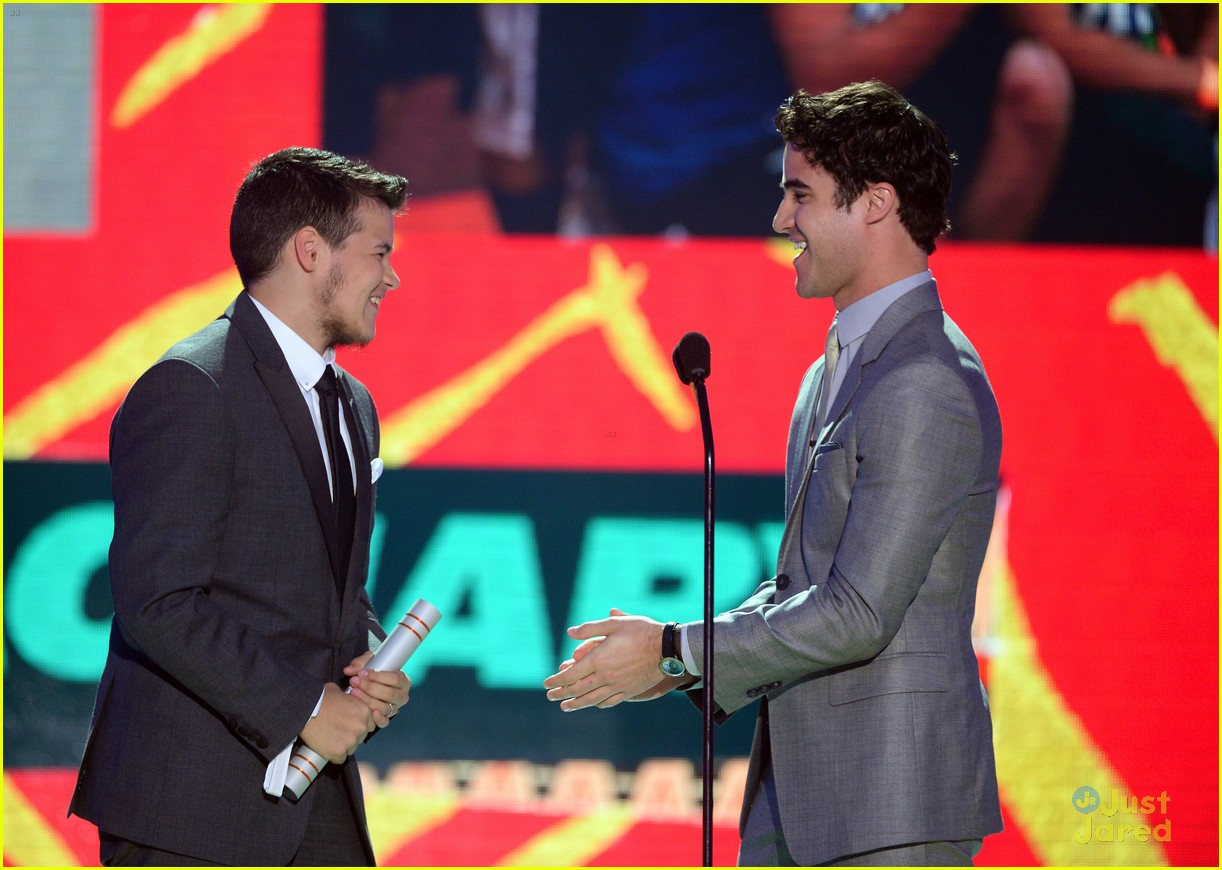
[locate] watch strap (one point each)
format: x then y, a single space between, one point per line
670 645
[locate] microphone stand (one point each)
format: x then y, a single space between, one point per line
691 359
706 426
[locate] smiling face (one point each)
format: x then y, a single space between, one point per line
830 239
358 278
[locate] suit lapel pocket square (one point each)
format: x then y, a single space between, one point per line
375 470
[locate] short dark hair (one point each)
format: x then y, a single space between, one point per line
299 187
866 133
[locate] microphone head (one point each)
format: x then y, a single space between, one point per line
691 357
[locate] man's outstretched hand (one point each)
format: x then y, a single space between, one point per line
617 661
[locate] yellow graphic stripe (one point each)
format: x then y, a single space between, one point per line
396 817
97 381
215 31
28 840
608 302
573 841
1045 753
781 251
1179 331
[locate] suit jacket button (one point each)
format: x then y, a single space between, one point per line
753 693
782 581
261 742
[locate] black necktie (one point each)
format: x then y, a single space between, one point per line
341 469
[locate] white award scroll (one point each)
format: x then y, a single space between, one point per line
413 628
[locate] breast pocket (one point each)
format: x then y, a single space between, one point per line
830 463
826 505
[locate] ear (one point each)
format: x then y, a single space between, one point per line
881 201
308 249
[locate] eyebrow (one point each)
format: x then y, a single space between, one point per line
793 183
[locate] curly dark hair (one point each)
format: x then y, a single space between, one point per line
298 187
866 133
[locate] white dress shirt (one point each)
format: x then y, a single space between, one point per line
307 366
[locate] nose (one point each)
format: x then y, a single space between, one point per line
389 277
782 221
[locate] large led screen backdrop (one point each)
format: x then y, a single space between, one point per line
544 465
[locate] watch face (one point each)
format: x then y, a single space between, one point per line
672 667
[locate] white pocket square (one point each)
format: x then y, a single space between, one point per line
375 470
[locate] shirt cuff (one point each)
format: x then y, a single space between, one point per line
690 661
278 770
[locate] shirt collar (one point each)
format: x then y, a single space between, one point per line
306 364
854 322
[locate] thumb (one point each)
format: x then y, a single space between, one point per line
615 611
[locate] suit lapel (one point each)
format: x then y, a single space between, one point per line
800 431
916 301
285 393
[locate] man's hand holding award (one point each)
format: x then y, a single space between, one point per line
305 764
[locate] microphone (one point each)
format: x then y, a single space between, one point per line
691 358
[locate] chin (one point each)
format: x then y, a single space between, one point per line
353 338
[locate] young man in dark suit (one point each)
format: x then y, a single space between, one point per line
243 482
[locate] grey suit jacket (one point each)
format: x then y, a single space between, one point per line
228 613
874 716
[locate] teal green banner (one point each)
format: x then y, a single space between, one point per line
510 558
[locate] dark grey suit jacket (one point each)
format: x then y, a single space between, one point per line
228 615
874 714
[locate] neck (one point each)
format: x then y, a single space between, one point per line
885 265
290 304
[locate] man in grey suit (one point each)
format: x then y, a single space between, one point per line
874 742
243 478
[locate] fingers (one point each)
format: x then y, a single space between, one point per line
591 689
570 682
367 725
357 663
603 670
597 628
570 672
603 697
380 710
383 685
585 647
383 692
